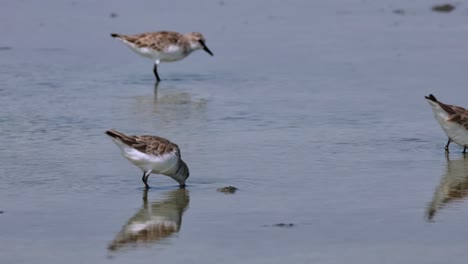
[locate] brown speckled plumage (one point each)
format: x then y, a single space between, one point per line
155 40
461 119
164 46
152 145
457 114
453 120
160 40
152 154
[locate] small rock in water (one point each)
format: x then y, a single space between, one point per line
227 189
284 225
1 212
113 15
399 11
443 8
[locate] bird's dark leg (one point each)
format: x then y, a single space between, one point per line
182 186
145 178
464 150
155 71
447 146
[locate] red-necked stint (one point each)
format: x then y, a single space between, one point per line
453 120
152 154
164 46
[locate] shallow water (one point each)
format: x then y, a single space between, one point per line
314 110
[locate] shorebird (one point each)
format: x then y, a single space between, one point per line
164 46
453 120
152 154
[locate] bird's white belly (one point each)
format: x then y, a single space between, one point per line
455 132
156 164
172 53
145 52
164 164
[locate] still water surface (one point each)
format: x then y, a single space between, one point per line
314 110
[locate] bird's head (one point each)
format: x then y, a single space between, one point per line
197 41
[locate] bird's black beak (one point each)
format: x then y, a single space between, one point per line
205 48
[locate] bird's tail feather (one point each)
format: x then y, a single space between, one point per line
437 104
120 136
432 98
115 35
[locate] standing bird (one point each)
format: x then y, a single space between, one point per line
152 154
453 120
164 46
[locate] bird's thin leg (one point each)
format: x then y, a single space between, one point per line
147 174
145 178
464 150
447 146
155 71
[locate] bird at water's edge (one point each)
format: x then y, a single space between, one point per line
152 154
453 120
164 46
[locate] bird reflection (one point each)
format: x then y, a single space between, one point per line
453 186
156 85
154 222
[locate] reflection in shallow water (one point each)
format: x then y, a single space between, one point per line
168 98
452 187
154 222
155 89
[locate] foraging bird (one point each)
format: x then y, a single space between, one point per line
453 120
152 154
164 46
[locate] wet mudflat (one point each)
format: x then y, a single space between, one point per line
314 111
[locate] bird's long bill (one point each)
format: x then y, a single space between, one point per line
205 48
